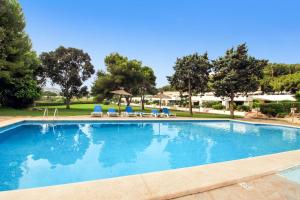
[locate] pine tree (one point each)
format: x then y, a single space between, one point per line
18 62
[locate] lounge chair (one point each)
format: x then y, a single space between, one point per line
111 112
155 113
97 112
130 113
166 113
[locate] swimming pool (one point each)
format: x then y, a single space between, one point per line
35 154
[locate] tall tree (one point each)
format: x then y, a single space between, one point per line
123 73
272 81
68 68
166 88
236 73
18 62
103 85
191 75
147 86
288 83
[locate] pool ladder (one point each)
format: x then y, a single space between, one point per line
55 113
46 113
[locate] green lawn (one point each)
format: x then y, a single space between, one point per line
86 109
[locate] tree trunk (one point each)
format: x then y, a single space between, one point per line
231 105
128 100
119 100
190 99
119 104
143 102
68 101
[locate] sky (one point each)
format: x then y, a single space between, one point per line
156 32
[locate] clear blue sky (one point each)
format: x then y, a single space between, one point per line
158 31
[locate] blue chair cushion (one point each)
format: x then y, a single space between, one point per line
165 111
97 109
111 110
128 109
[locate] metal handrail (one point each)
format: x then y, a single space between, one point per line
46 112
55 113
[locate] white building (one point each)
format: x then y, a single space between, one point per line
174 98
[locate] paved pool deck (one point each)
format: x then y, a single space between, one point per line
272 187
250 178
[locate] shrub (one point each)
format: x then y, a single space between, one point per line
272 109
218 106
243 108
256 103
297 96
209 104
106 102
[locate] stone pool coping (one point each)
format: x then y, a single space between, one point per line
164 184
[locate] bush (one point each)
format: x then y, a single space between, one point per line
209 104
273 109
243 108
106 102
256 103
297 96
218 106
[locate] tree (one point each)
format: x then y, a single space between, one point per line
265 86
49 94
236 73
191 75
297 96
275 75
68 68
147 86
124 73
290 83
18 62
121 72
166 88
103 85
279 69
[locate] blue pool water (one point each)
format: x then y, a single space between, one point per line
35 154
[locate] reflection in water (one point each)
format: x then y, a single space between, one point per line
122 139
289 135
40 155
58 146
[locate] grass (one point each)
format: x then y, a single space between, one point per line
86 109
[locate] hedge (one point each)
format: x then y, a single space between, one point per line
274 109
243 108
218 106
209 104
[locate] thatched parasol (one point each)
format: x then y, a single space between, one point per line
161 96
120 92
